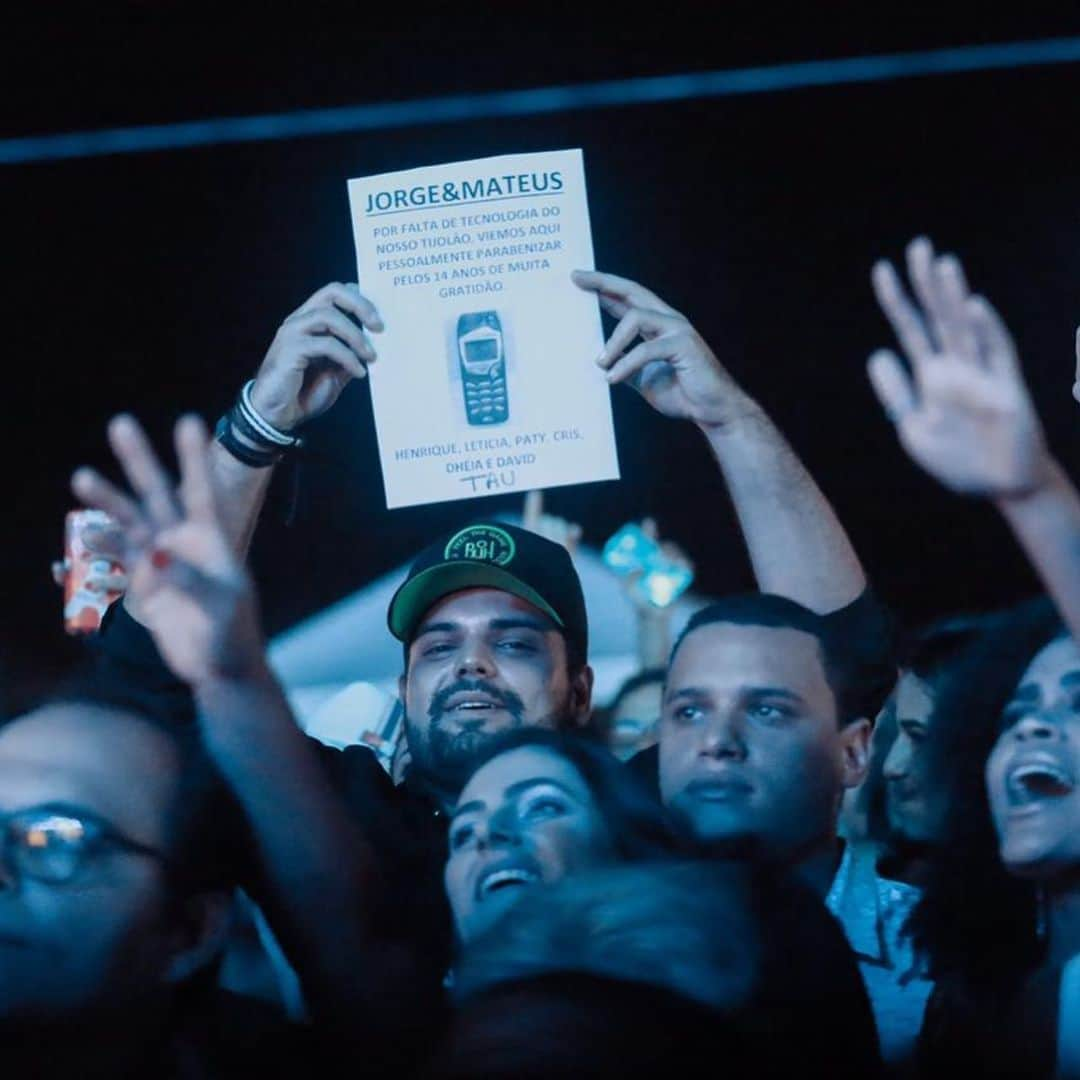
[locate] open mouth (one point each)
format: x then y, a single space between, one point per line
504 879
470 704
1039 779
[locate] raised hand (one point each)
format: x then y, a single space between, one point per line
187 585
962 412
671 366
315 353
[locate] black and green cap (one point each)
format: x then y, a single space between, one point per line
494 556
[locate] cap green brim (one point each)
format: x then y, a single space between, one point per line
419 594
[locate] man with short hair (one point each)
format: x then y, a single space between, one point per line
769 698
763 727
118 856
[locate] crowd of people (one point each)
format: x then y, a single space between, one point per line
821 847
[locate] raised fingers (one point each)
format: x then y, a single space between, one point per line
329 320
902 314
144 472
620 289
348 298
956 331
630 365
196 488
993 342
328 347
93 490
636 322
892 384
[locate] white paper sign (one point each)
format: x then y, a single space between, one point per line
486 381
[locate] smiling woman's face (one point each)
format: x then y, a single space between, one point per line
1033 773
525 816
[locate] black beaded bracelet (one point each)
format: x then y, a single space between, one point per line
242 426
247 455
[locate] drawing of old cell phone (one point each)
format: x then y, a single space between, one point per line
483 368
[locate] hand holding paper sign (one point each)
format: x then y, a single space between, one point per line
672 367
317 350
796 544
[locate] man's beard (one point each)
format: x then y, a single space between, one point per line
447 753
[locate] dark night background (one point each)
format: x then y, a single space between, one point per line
154 282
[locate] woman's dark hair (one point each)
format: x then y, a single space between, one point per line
647 677
729 942
639 826
976 924
930 654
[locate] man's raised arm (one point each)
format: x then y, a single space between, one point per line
964 414
315 353
797 546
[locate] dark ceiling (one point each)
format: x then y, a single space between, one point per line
154 282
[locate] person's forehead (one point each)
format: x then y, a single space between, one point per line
914 698
482 605
641 700
491 783
103 760
722 653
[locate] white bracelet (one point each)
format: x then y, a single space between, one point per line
263 426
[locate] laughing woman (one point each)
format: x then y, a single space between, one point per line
540 806
1000 918
997 923
1033 780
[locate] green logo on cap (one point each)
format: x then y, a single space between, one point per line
481 543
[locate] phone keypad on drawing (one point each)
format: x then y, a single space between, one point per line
485 399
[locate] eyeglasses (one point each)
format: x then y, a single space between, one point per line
53 846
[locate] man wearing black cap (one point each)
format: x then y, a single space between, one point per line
493 622
492 619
